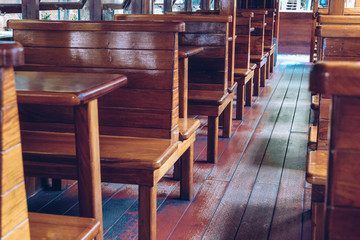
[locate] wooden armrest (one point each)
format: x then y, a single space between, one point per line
125 152
257 24
244 14
253 66
252 29
325 78
187 51
241 72
49 226
187 127
312 137
315 102
207 97
317 164
233 87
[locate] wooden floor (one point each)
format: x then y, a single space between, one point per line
257 189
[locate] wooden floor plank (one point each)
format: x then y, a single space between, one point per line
306 219
287 218
301 119
226 165
271 167
194 222
230 211
255 224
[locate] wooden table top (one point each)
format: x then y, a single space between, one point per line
187 51
64 88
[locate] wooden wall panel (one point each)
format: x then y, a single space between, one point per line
295 33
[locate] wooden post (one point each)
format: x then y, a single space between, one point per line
167 6
30 9
95 9
188 5
205 4
336 7
141 6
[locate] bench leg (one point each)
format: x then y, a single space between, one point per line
228 119
263 75
147 213
186 183
268 68
240 102
257 81
177 171
249 92
212 139
272 64
88 157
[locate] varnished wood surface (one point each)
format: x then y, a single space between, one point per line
47 226
61 88
238 165
325 78
345 31
187 51
171 17
337 19
13 54
317 167
92 26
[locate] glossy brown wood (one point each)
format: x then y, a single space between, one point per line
341 216
212 34
97 26
336 7
145 113
14 216
61 88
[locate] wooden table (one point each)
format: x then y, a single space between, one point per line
80 91
184 53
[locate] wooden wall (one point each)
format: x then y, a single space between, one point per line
295 32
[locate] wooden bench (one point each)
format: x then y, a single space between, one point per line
16 222
243 72
209 90
244 69
269 45
258 55
341 217
139 124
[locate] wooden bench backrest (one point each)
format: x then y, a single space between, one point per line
243 40
342 217
258 36
13 207
331 37
269 28
208 31
147 53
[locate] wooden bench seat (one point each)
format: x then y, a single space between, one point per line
49 226
139 124
16 222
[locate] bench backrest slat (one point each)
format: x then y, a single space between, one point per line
149 101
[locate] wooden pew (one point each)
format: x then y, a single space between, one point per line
269 45
209 92
341 216
139 124
244 69
243 72
16 222
258 55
